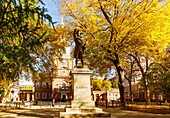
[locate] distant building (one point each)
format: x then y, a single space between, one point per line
13 95
25 93
42 91
98 95
20 93
60 88
113 94
138 95
137 90
62 83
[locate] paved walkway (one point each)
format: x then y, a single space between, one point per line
119 113
49 112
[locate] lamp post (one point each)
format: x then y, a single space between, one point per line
106 99
116 100
127 97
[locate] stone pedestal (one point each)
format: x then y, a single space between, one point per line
82 88
82 105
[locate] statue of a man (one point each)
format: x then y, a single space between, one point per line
79 48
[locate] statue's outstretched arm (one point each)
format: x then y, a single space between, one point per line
74 34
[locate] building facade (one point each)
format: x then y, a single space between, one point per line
13 95
20 93
60 88
43 91
138 92
111 94
62 83
25 93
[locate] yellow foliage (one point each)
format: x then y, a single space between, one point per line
119 26
101 85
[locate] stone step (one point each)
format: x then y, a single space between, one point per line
84 110
84 115
82 104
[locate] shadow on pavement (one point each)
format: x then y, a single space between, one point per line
40 113
120 113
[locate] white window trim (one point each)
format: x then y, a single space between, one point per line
43 95
63 64
44 84
50 96
37 84
36 95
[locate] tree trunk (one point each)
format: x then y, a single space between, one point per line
121 77
120 84
130 89
143 76
7 92
146 90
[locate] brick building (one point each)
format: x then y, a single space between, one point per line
138 91
43 91
62 83
60 88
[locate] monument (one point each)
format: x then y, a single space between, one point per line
80 46
82 88
82 105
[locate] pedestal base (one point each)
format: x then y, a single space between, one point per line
84 110
84 113
82 104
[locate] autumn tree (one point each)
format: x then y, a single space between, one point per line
144 60
101 84
111 28
156 39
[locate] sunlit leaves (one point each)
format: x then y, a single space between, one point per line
129 25
101 85
114 29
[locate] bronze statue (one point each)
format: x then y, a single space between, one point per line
79 48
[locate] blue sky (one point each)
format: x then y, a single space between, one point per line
52 7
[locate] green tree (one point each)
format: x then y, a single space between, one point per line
52 50
159 77
114 84
165 85
23 33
